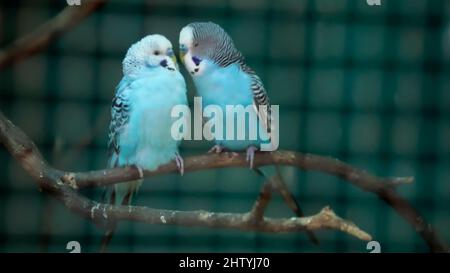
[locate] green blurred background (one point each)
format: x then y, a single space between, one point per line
367 84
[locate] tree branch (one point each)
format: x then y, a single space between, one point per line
62 185
261 203
384 188
39 39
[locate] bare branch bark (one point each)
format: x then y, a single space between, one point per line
261 203
382 187
39 39
308 162
61 185
64 184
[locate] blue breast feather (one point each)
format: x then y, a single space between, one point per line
146 141
228 86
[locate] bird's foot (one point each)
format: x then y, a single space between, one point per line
180 163
219 149
251 155
216 149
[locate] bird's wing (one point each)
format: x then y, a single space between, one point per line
260 98
120 113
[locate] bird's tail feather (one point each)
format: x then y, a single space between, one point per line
287 196
106 239
112 225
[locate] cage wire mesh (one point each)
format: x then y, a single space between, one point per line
366 84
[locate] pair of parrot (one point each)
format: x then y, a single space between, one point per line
140 128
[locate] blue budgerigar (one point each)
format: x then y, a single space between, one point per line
222 78
140 128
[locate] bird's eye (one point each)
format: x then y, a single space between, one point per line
196 45
156 52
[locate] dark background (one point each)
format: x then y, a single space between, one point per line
369 85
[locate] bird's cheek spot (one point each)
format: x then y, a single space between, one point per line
195 71
164 63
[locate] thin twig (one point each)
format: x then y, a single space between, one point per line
261 203
39 39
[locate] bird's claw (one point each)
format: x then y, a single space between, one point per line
216 149
180 163
250 156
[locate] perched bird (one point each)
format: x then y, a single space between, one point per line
222 78
140 128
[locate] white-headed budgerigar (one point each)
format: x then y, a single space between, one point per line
222 78
140 128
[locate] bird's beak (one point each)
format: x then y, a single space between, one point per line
183 51
172 55
174 59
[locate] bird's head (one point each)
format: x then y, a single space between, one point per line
149 52
205 41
